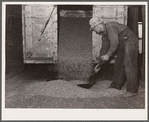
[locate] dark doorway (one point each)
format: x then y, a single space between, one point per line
14 48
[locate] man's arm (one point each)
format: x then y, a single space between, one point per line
113 37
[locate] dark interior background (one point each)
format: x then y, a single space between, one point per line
14 48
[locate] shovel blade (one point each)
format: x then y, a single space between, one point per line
86 86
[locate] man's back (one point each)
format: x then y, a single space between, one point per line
116 26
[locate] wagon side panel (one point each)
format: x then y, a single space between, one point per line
39 33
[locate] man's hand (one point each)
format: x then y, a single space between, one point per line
105 57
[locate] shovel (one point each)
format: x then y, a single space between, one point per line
91 83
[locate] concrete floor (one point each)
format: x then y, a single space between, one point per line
16 98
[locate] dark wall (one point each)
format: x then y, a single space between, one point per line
14 49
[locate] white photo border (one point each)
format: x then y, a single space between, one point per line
74 114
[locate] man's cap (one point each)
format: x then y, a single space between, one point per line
94 21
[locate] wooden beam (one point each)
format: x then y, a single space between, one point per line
143 44
133 18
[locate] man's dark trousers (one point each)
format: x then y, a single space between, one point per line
126 65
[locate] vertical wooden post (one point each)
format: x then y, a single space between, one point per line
143 44
133 18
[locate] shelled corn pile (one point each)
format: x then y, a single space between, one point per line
69 89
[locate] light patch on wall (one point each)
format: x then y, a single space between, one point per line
140 36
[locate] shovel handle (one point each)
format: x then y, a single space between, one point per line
98 66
